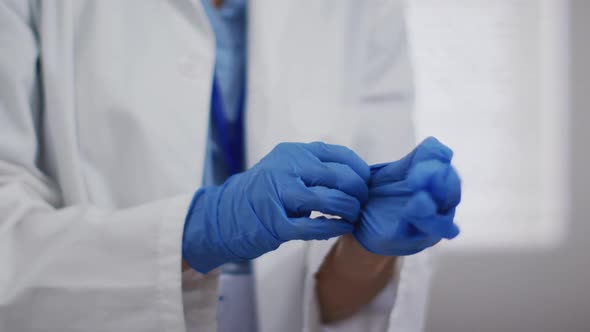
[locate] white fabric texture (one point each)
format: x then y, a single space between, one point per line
356 83
93 187
103 116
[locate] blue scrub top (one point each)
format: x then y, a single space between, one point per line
225 145
226 151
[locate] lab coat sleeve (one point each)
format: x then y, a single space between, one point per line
74 268
387 95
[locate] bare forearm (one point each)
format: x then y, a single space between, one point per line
185 266
349 278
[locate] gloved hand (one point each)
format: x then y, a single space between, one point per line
255 211
412 202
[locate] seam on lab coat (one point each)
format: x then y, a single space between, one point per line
412 295
169 291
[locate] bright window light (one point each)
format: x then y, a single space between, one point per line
491 79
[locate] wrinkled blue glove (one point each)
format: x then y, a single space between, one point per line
411 202
254 212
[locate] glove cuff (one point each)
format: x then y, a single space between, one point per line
202 246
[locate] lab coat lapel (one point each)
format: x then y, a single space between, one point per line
280 108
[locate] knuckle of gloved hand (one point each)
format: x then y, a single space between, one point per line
345 151
426 174
317 173
351 176
314 148
420 205
304 200
440 177
365 172
315 198
432 148
261 170
329 174
284 147
318 145
354 210
355 162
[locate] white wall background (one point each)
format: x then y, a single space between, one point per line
534 289
490 82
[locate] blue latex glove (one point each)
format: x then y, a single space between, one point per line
255 211
412 202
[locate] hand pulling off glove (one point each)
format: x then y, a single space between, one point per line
411 202
404 207
255 211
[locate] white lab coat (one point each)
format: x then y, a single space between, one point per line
103 123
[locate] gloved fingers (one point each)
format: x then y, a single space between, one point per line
420 206
452 232
330 153
336 176
301 200
421 175
439 226
421 212
446 188
399 188
429 149
419 244
388 172
440 179
320 228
